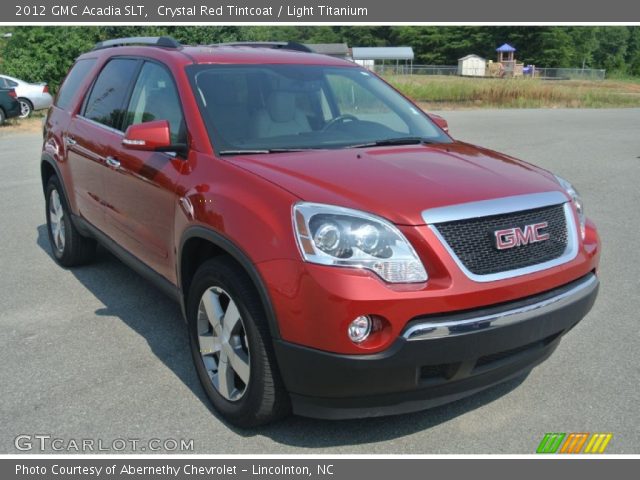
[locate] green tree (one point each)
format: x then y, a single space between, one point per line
612 48
45 54
633 51
584 42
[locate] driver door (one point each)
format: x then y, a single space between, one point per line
140 185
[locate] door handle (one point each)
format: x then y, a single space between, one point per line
113 162
70 141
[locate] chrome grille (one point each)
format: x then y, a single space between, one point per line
472 240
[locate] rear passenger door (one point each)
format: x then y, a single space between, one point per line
94 135
140 190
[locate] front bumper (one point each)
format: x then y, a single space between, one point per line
437 359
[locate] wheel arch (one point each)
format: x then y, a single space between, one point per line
49 168
199 244
26 100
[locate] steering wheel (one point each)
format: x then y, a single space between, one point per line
340 119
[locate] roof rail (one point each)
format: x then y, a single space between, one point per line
165 42
298 47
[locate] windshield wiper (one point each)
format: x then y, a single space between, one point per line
393 141
262 151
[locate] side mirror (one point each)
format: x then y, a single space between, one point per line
439 121
151 136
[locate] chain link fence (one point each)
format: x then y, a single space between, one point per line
570 73
536 72
416 69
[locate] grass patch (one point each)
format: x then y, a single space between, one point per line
32 124
449 91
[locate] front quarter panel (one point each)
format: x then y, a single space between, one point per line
251 212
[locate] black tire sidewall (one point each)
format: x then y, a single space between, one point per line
54 184
220 274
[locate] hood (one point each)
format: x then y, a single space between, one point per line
398 183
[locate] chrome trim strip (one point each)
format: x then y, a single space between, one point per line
496 206
569 254
106 127
429 330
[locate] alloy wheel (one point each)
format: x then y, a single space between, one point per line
25 109
223 344
56 221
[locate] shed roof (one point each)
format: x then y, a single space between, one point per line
382 53
505 48
472 55
329 48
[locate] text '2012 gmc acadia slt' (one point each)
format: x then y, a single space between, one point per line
335 252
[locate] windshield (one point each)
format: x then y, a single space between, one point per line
265 108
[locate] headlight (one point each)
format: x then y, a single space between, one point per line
343 237
577 201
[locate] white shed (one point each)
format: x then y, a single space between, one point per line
472 66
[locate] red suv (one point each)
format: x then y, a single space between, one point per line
335 252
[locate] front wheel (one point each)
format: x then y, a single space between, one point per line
231 346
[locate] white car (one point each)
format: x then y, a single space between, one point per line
32 96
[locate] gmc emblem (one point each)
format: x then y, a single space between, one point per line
514 237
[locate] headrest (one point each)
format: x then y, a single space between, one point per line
281 106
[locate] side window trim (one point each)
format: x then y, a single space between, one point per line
102 125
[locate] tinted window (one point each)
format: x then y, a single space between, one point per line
265 107
106 102
155 98
72 82
6 83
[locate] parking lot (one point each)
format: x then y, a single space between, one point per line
98 353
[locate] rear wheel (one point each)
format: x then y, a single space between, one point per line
25 107
231 346
68 246
2 117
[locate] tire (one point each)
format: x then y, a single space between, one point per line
68 246
26 108
243 398
3 117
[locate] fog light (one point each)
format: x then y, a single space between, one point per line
359 329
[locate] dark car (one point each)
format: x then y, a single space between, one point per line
335 252
9 105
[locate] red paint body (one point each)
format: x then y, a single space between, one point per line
248 200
